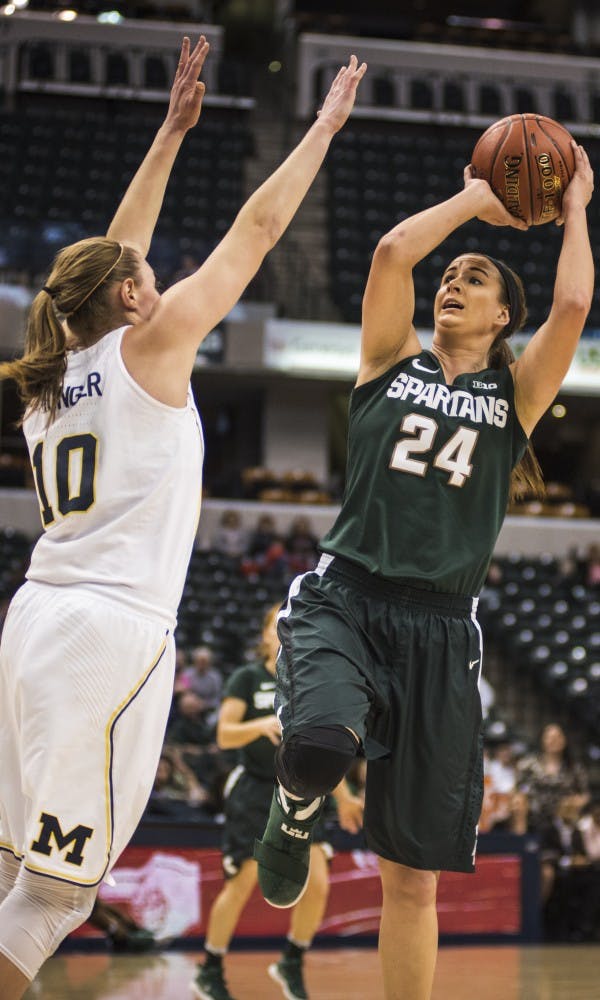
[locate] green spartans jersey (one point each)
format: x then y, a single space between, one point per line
428 474
256 686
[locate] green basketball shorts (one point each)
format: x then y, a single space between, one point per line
400 667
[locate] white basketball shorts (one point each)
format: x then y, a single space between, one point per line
85 690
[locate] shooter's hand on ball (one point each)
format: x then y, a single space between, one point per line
580 188
492 210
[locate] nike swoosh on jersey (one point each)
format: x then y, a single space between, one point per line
473 663
417 364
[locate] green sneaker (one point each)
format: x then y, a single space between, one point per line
135 940
283 854
209 984
288 973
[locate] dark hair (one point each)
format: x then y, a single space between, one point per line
77 289
268 619
526 478
566 752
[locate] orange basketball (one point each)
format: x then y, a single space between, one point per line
528 162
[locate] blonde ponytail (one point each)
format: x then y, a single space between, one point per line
39 373
78 287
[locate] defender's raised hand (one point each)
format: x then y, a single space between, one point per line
136 216
340 100
187 92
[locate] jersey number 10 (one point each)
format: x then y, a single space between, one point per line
74 478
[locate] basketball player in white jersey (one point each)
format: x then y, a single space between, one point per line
87 654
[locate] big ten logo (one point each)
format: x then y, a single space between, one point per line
550 184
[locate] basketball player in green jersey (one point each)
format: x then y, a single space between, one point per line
381 648
247 722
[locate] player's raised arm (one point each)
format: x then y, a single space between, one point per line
138 212
160 353
540 370
388 334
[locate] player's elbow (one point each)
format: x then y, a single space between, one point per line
222 738
394 249
576 304
270 229
266 230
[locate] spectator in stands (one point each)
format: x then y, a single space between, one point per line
265 554
517 820
568 568
494 574
230 537
181 665
265 535
549 775
176 787
106 371
499 781
378 645
205 681
247 722
589 827
193 740
188 265
570 886
592 569
189 728
301 547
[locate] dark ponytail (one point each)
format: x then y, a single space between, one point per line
526 478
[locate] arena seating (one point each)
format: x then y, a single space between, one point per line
72 161
548 624
223 609
379 174
15 549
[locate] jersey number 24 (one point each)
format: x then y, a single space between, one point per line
454 457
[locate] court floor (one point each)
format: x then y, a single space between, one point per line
487 973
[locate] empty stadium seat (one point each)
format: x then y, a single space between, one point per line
396 170
73 161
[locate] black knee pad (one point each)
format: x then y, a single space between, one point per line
313 762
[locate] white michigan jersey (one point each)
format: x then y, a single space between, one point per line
118 476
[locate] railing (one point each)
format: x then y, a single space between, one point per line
456 78
24 35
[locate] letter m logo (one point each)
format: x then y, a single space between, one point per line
51 828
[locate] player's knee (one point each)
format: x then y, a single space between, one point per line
38 914
407 887
313 762
9 870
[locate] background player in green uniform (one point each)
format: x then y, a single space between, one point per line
246 721
381 648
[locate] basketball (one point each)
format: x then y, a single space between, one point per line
528 162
